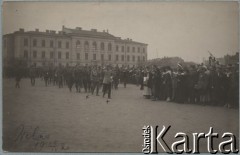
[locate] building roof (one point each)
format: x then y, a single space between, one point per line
68 32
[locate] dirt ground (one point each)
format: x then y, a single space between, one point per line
49 119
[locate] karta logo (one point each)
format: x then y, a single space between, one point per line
153 139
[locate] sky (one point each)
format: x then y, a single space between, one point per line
185 29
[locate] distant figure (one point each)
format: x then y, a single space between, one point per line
18 76
32 74
125 77
107 82
95 77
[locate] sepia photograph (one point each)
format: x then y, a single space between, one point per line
120 77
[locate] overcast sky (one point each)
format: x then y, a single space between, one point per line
185 29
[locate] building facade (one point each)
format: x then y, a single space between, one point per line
71 47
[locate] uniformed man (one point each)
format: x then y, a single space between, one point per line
107 82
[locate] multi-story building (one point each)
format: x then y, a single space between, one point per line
71 47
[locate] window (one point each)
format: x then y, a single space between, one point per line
43 54
34 54
86 46
138 49
138 58
34 42
143 58
67 45
59 55
25 54
94 45
102 57
67 55
122 48
128 49
25 42
78 56
133 58
122 57
133 49
109 57
143 50
116 57
102 46
109 47
51 55
86 56
117 48
78 43
128 58
43 63
51 43
59 44
94 56
43 43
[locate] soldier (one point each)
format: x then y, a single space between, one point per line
95 77
70 78
107 82
85 79
78 78
125 77
32 74
60 77
46 76
115 79
18 75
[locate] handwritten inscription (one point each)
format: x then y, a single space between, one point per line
39 139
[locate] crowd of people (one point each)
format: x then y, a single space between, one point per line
87 79
196 84
199 84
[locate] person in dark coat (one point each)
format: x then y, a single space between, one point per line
180 90
32 75
18 75
125 77
46 76
70 78
78 78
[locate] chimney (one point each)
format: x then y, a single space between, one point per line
21 30
107 30
78 28
47 31
36 30
94 30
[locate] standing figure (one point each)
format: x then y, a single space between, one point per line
46 77
125 77
18 76
32 75
107 82
95 77
148 84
